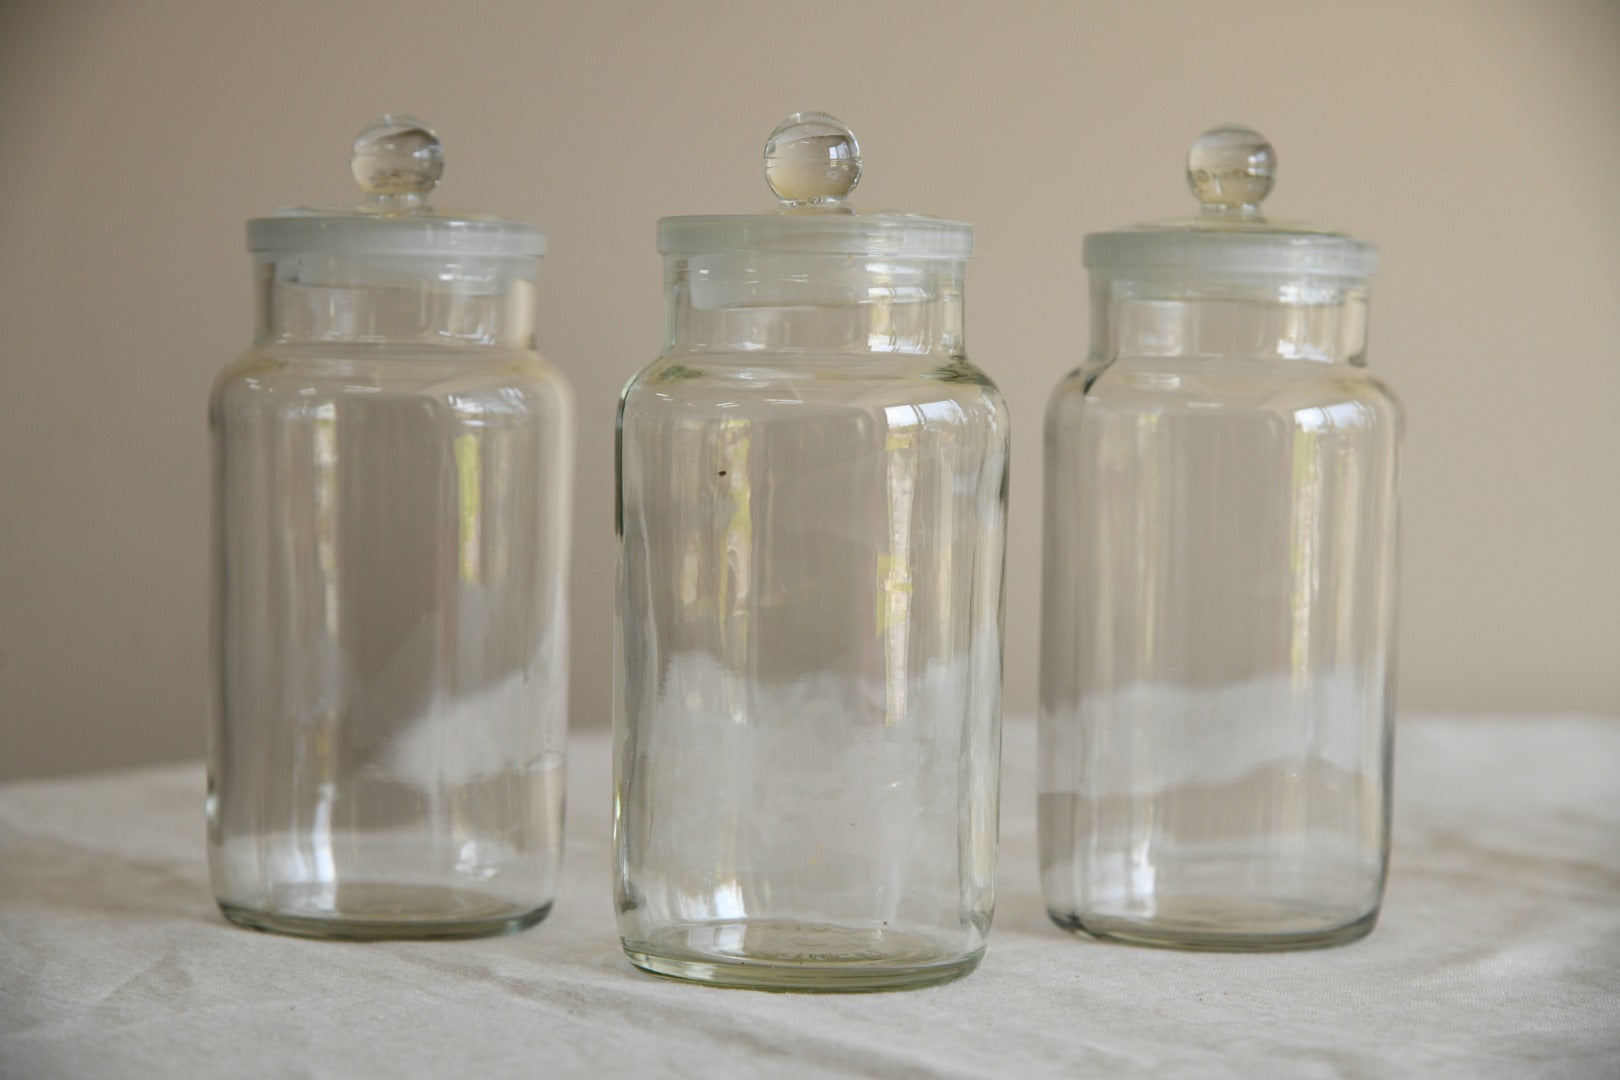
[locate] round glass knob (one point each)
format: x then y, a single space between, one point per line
397 160
1231 168
812 159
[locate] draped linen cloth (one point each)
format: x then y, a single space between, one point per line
1498 954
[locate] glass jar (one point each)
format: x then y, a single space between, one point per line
392 471
1220 575
811 517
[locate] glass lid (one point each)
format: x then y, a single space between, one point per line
397 162
1231 170
812 163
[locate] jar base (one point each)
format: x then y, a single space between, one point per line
390 912
793 956
1210 933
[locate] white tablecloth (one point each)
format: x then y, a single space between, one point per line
1498 954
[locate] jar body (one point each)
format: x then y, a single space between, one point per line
1217 670
391 527
809 661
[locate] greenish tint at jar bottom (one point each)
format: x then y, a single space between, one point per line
389 913
768 955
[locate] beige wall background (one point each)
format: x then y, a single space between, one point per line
1477 143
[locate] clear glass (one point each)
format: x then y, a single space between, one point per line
392 470
1219 621
811 521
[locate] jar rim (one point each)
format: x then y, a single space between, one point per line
307 230
1269 256
897 235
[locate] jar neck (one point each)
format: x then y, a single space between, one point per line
1326 325
740 302
307 298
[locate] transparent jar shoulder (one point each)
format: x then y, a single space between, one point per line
488 380
1300 389
708 380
